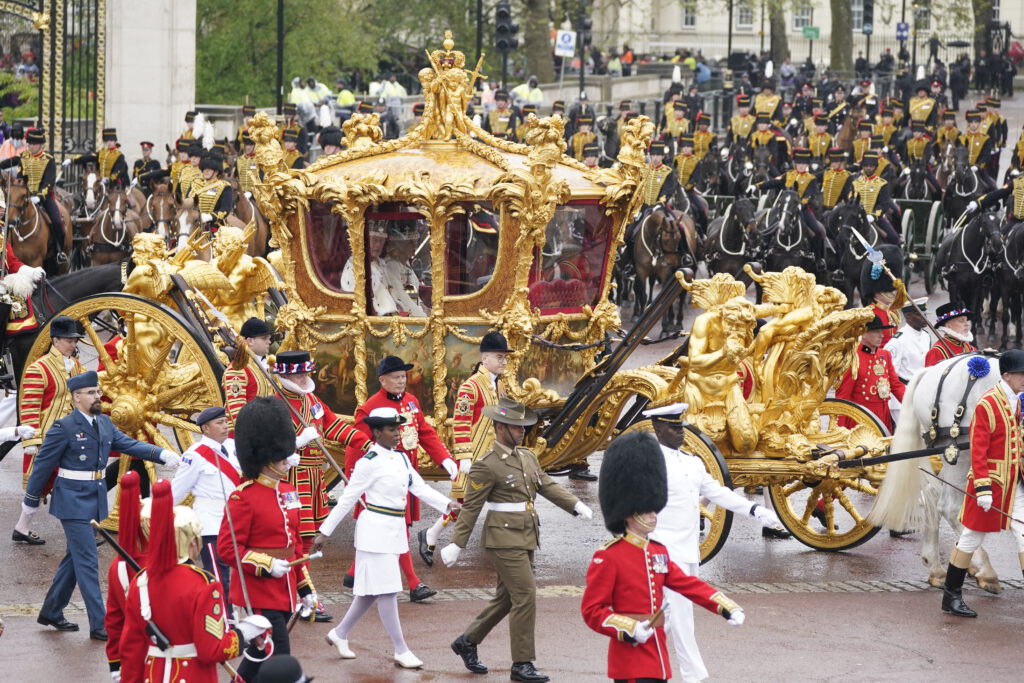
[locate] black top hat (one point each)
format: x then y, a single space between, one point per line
992 102
558 105
254 327
743 100
591 149
877 142
384 417
494 341
247 139
703 118
679 106
181 144
510 412
821 120
817 102
263 434
625 105
190 116
633 479
63 327
365 107
686 141
209 414
949 115
110 134
974 115
501 94
870 158
86 380
282 669
917 126
657 148
331 135
292 362
1011 360
802 155
946 312
248 109
896 104
763 118
585 121
877 324
35 136
529 109
836 154
865 125
290 135
390 364
417 109
289 108
195 148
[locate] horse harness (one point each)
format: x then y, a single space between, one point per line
935 432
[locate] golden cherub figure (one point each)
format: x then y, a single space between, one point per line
249 278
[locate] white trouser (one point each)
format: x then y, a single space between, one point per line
971 540
684 640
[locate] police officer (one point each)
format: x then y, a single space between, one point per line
508 478
79 445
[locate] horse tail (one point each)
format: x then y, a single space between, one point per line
898 503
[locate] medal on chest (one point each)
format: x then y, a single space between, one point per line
659 563
883 381
290 500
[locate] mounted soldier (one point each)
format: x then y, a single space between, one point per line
836 181
248 111
874 195
764 136
885 127
819 141
676 123
808 189
214 196
923 108
685 165
979 147
994 125
704 139
502 121
742 123
583 137
110 162
838 109
862 143
947 132
147 164
919 148
767 101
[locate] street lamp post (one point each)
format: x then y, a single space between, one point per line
728 47
913 49
583 47
762 25
810 43
903 20
280 56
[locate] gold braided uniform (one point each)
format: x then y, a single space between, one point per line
760 138
676 127
1018 197
175 170
819 144
106 158
860 145
33 168
187 135
685 165
921 108
917 146
500 121
289 158
868 190
766 104
578 140
294 127
188 178
651 181
702 140
832 184
974 142
799 182
247 171
742 125
986 123
1018 151
208 194
885 130
946 134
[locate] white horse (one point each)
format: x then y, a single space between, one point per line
908 498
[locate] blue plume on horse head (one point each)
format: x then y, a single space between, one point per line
978 367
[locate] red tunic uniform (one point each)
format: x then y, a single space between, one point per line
119 577
416 433
194 621
995 460
947 347
869 383
242 386
44 399
266 517
625 584
471 431
308 477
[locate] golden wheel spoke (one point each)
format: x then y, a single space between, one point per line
175 422
166 396
131 348
863 487
156 438
793 488
101 350
848 505
812 502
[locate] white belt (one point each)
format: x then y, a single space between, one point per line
81 475
174 651
508 507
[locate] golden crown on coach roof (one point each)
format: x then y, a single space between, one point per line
448 56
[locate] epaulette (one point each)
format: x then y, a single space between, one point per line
898 334
202 572
370 455
244 484
610 542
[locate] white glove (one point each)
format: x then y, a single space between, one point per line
170 458
279 568
293 460
767 517
451 468
751 188
643 632
792 122
67 162
31 450
985 501
248 195
974 168
736 617
254 626
206 217
309 601
906 171
581 509
972 207
25 431
450 554
116 675
871 219
35 200
885 150
465 465
305 436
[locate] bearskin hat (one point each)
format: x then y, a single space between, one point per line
263 434
874 280
633 479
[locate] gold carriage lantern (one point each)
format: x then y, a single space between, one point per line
418 246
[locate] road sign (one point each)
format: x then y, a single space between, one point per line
867 29
811 32
902 30
565 44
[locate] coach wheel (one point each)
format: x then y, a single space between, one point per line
907 228
931 246
843 503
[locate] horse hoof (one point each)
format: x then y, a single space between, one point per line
937 580
989 585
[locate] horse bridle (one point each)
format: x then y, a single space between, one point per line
953 431
25 200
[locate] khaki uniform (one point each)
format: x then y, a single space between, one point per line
511 477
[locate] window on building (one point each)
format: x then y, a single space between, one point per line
995 10
924 15
689 14
857 7
744 15
801 14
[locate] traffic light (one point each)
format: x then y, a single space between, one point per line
586 30
868 16
505 29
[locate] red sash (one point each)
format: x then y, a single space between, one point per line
221 463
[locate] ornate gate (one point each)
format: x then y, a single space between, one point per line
52 71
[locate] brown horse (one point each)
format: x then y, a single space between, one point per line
246 212
161 210
111 236
656 257
29 229
848 131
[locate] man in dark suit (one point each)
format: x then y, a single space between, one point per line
79 445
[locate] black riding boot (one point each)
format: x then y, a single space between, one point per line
952 591
57 233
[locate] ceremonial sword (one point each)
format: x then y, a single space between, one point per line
957 488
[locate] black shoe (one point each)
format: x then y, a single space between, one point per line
349 581
426 551
768 532
98 634
583 475
953 602
467 650
819 515
61 624
900 534
30 538
525 671
421 593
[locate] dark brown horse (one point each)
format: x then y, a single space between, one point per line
29 229
247 212
161 210
656 257
111 236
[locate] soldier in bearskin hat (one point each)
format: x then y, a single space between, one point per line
624 597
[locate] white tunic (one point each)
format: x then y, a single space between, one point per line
383 302
196 475
384 477
908 348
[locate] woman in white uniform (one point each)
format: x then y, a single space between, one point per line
380 480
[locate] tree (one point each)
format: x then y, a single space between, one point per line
535 39
982 18
841 47
778 31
